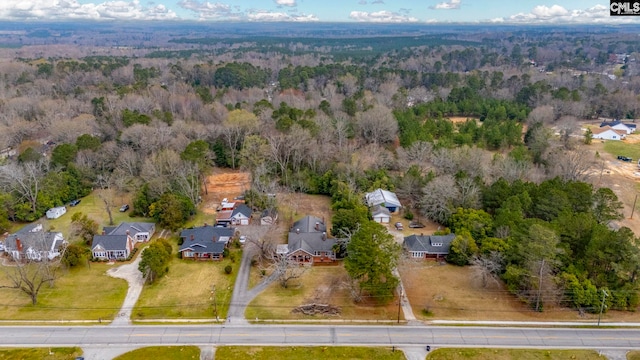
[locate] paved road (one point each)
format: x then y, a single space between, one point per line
402 336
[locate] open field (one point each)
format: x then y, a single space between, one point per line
322 285
633 355
84 293
40 354
304 353
185 292
452 292
512 354
162 352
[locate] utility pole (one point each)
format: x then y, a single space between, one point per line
215 303
604 295
634 206
539 286
400 304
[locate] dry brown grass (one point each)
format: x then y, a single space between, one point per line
220 185
321 284
185 292
453 292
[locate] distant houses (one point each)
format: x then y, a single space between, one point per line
628 128
608 133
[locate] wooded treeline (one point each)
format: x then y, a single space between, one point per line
310 122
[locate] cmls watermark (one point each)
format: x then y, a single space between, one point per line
624 8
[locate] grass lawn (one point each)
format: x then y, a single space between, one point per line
40 354
320 284
185 292
311 353
633 355
83 293
162 352
512 354
453 292
623 148
93 207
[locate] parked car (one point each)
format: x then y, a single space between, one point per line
74 202
124 208
399 226
624 158
243 239
416 225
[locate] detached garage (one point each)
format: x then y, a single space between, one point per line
56 212
381 214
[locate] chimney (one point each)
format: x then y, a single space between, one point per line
104 232
205 225
297 231
317 226
324 236
19 245
127 232
192 237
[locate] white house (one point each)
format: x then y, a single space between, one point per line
381 214
56 212
628 128
241 215
33 243
608 133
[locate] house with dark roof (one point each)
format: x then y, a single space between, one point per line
117 242
112 247
204 242
628 128
241 215
428 246
308 242
139 231
383 198
33 243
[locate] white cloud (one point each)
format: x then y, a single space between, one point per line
380 16
557 14
208 11
447 5
263 15
73 10
285 2
377 2
362 2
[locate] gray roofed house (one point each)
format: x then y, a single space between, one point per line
205 242
428 246
383 197
117 242
241 215
33 243
308 242
112 247
139 231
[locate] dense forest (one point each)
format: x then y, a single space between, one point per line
342 116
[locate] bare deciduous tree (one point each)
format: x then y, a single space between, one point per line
439 198
287 269
377 125
487 268
24 179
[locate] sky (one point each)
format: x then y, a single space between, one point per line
383 11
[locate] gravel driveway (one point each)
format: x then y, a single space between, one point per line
133 276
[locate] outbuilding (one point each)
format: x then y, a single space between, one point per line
56 212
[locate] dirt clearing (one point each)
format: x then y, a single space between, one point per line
228 184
